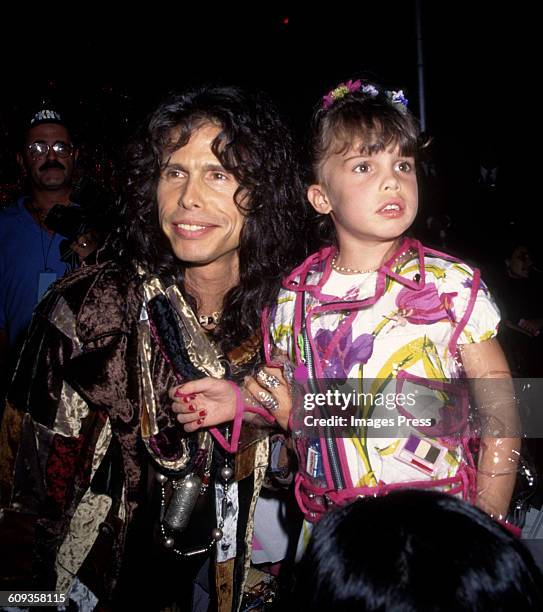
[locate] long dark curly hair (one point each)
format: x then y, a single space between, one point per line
257 148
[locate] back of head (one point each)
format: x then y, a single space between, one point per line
415 550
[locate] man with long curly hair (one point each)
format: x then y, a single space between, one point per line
110 497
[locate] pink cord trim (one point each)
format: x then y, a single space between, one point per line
463 321
265 414
231 447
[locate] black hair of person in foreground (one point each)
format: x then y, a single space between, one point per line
415 550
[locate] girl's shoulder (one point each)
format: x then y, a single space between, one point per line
449 272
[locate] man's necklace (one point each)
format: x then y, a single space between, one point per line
206 320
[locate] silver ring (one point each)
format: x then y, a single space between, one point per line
268 401
267 380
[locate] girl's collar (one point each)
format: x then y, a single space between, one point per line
315 271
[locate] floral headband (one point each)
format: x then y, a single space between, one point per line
395 97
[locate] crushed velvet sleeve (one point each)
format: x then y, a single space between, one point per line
31 411
49 445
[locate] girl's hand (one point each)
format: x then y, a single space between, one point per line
203 403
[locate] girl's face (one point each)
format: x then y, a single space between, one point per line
370 198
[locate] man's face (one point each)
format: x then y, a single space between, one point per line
520 263
196 205
48 171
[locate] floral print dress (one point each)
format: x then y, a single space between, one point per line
396 329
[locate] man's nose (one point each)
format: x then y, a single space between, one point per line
190 197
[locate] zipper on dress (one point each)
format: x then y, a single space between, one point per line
333 456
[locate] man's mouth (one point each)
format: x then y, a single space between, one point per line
189 227
52 166
192 230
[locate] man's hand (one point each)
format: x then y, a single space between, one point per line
204 402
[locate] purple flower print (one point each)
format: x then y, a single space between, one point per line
339 362
468 284
425 305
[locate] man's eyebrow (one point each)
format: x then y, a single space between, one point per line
215 168
175 166
207 167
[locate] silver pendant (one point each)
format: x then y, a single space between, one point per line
184 497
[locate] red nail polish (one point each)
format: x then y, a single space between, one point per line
200 421
185 399
191 408
192 397
178 393
202 413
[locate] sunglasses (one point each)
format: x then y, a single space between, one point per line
40 149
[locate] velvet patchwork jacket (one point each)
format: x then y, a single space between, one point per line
73 467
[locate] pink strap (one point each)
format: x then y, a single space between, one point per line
231 447
461 482
382 489
266 338
516 531
297 494
469 309
265 414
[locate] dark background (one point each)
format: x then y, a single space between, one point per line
107 70
107 65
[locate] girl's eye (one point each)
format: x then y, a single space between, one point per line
405 166
362 167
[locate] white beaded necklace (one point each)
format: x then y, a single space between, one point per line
345 269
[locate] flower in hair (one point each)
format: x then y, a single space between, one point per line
398 98
370 90
340 91
395 97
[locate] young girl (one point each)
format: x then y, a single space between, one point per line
377 307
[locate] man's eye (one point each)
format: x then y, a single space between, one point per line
219 176
171 173
361 168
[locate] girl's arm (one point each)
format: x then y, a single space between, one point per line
500 444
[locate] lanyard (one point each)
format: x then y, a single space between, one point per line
44 252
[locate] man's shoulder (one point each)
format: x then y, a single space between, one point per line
102 299
108 275
10 214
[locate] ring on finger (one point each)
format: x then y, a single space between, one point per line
268 401
267 380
